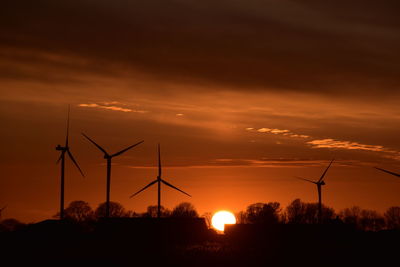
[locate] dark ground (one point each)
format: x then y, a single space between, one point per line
174 242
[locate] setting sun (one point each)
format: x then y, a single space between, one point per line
221 218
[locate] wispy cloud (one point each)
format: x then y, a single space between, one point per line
111 106
332 143
277 132
337 144
299 136
257 163
274 131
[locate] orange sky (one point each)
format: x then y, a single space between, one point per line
241 96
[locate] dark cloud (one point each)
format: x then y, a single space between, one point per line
327 46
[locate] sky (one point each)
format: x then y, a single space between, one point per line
241 95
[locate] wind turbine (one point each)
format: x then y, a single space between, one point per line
319 184
392 173
1 211
159 180
63 150
109 157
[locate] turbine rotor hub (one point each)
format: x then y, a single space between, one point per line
59 147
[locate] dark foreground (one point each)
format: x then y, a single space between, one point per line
176 242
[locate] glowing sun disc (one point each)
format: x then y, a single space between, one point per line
221 218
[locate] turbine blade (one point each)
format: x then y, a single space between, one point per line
150 184
304 179
176 188
323 175
74 161
67 135
126 149
159 161
392 173
59 159
99 147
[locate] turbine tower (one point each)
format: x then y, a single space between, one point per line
65 149
392 173
1 212
159 180
109 157
319 184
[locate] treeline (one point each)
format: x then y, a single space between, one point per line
80 211
297 212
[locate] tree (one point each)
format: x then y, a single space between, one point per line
328 214
371 220
311 213
79 211
207 217
184 210
240 217
351 216
9 225
132 214
116 210
263 213
152 212
295 212
299 212
392 217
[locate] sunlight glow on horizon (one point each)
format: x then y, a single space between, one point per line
221 218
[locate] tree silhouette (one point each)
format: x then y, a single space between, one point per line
241 217
79 211
131 214
11 224
367 220
295 212
153 210
207 217
392 217
116 210
184 210
371 220
263 213
298 212
351 216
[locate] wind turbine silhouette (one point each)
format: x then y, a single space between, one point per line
1 211
109 157
63 150
392 173
319 184
159 180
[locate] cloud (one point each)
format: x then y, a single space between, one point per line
332 143
227 44
299 136
348 145
287 133
109 107
259 163
274 131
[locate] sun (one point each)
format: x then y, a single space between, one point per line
221 218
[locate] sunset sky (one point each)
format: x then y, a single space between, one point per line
241 95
